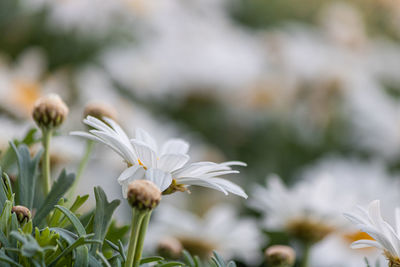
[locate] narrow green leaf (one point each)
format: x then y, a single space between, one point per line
5 216
121 250
57 214
80 241
151 259
171 264
188 258
197 261
79 201
58 189
5 258
73 219
103 259
27 174
115 261
102 217
82 256
93 262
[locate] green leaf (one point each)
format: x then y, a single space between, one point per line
102 217
151 259
5 216
80 241
82 256
73 219
5 258
58 189
79 201
93 262
188 258
171 264
28 170
103 259
5 189
46 237
57 214
29 247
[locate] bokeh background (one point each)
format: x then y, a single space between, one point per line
290 87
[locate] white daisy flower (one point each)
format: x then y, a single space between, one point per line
386 238
167 166
304 211
219 229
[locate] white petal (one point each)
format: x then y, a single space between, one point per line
119 144
201 182
160 178
365 244
129 175
146 138
233 163
145 154
175 146
172 162
230 187
397 216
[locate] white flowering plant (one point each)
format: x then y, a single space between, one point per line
42 225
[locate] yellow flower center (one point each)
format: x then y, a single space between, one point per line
25 94
141 164
308 231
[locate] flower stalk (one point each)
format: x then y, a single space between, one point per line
46 173
140 241
137 218
306 255
82 165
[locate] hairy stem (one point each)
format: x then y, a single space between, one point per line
137 218
140 242
46 177
82 165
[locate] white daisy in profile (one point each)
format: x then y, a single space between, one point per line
167 166
385 237
219 229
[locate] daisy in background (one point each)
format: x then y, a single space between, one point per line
347 174
304 211
219 229
326 189
167 166
384 236
22 82
309 211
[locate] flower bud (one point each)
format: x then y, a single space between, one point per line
170 248
143 195
49 111
99 110
23 213
280 256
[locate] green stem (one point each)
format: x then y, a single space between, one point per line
137 218
140 242
47 134
82 165
306 256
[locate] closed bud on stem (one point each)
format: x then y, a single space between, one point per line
49 111
170 248
99 111
23 213
143 195
280 256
